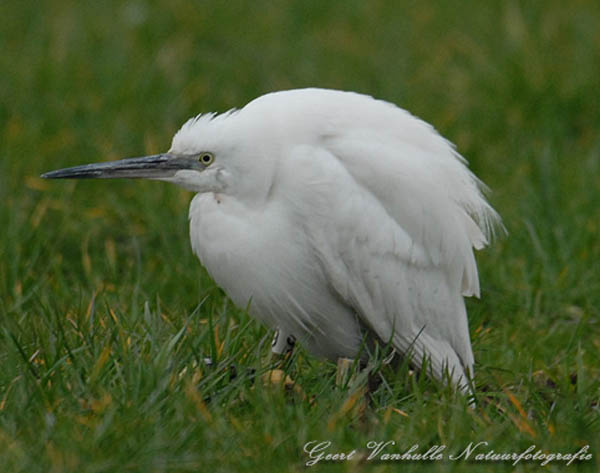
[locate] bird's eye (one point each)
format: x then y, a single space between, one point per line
206 158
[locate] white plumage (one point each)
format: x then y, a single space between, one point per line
365 218
332 215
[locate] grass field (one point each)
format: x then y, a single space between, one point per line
106 315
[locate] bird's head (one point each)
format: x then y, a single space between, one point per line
210 153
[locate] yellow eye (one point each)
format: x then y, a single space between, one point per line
206 158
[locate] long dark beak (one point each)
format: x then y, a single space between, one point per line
150 167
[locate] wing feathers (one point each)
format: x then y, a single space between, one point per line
402 289
399 215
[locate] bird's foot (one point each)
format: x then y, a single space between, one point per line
351 377
277 377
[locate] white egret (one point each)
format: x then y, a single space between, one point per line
334 217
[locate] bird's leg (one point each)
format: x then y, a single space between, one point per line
281 350
282 345
348 378
345 376
343 373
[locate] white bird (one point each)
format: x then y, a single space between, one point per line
332 216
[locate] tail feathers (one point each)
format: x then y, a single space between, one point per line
440 359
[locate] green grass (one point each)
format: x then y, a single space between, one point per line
106 316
